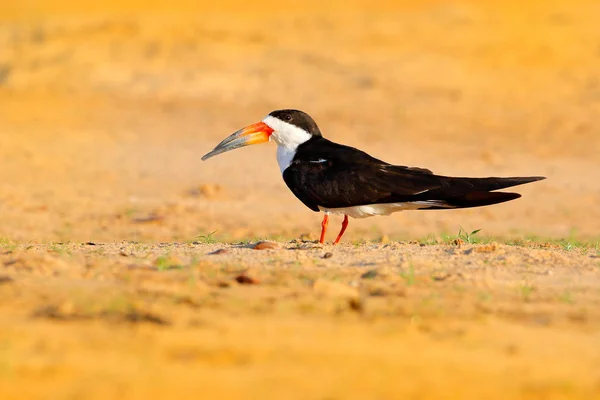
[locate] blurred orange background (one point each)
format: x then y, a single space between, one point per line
107 107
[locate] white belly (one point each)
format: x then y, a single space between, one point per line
371 210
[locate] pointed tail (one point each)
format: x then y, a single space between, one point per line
489 184
477 192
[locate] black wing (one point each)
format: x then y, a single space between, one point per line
330 175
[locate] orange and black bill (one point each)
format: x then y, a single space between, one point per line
252 134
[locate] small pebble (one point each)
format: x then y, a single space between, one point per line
440 276
265 246
369 274
149 218
219 251
246 280
356 304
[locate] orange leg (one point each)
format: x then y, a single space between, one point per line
324 228
344 226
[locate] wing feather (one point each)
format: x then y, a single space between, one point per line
345 177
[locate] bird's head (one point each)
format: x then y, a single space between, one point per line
287 128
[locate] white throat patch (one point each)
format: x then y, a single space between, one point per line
288 137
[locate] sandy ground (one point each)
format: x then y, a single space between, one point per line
387 321
106 109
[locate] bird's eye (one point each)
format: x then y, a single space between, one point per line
287 117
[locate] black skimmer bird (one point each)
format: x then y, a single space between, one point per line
338 179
